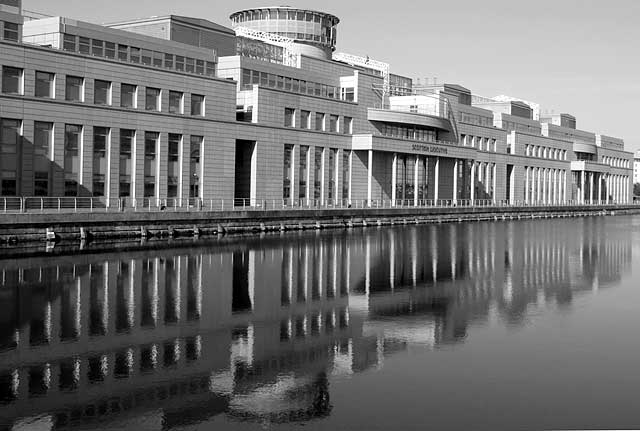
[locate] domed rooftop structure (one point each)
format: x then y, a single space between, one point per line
313 32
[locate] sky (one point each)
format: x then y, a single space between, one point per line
580 57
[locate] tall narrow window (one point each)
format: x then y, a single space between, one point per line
289 117
197 105
320 121
287 173
12 82
195 170
347 125
318 171
110 50
333 172
150 151
44 84
128 96
72 144
152 99
42 146
123 52
304 163
173 168
102 92
84 45
97 47
74 89
127 138
305 119
333 123
346 174
100 145
10 133
176 104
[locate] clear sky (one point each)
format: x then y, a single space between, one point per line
576 56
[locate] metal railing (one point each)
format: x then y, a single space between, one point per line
52 205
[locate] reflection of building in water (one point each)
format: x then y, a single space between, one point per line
256 330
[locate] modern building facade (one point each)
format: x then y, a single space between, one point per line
636 168
172 110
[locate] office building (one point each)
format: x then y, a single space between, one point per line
172 110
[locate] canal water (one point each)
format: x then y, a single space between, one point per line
505 325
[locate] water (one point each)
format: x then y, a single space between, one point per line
506 325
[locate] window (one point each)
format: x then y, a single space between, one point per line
134 55
10 31
347 127
74 89
318 172
348 94
11 80
152 99
110 50
72 144
304 159
10 132
168 61
42 146
128 96
179 63
102 92
173 168
332 173
97 48
150 150
176 102
305 119
69 42
194 166
287 173
100 145
146 57
210 69
127 138
10 136
320 121
9 183
123 52
157 59
45 85
289 117
197 105
346 175
84 45
190 65
333 123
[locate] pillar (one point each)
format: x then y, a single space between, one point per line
591 174
369 177
416 179
473 182
437 180
526 184
599 188
394 179
455 181
582 185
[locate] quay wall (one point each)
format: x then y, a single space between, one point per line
34 227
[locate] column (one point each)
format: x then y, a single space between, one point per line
394 179
591 174
473 182
599 188
455 181
538 184
526 184
416 178
436 191
369 177
293 187
582 185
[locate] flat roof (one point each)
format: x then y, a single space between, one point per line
196 22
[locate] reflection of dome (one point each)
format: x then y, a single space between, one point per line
290 399
313 32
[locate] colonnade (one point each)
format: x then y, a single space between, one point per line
545 185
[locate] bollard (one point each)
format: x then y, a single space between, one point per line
144 233
196 231
171 232
84 234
